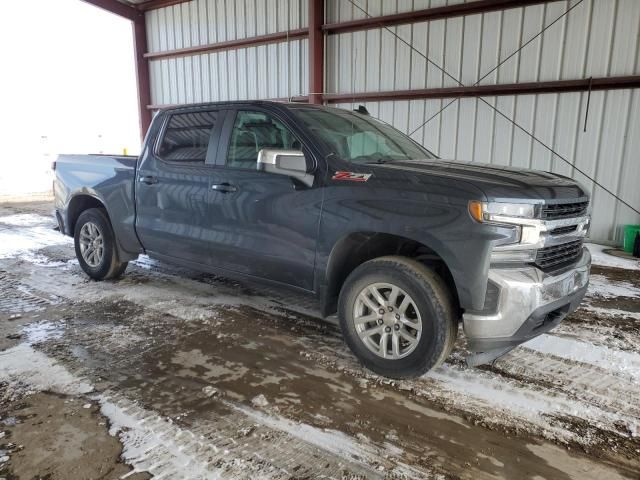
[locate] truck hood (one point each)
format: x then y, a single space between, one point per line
497 182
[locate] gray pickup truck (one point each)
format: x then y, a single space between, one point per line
404 246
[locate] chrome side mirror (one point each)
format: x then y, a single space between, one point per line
291 163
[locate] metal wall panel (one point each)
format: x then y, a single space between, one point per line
266 71
345 10
276 70
599 38
201 22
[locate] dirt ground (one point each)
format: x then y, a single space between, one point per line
189 375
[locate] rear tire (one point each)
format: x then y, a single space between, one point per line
414 309
95 245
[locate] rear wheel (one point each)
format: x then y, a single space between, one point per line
95 245
397 316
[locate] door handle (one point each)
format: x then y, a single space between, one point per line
149 180
224 187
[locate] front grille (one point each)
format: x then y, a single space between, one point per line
558 255
564 210
564 230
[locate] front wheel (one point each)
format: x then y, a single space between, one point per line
397 316
95 245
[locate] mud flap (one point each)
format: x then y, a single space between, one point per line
483 358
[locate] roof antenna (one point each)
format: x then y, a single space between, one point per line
361 109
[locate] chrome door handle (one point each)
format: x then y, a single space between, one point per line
149 180
224 187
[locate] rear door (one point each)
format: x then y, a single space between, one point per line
173 186
266 224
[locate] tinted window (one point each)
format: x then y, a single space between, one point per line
360 138
187 136
253 131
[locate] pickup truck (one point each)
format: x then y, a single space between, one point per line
402 245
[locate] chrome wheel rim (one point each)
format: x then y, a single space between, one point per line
91 244
387 320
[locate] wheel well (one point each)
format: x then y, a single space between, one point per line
79 204
357 248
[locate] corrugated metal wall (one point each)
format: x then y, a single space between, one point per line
277 70
596 38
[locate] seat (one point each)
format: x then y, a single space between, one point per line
244 150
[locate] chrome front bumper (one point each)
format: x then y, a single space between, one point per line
529 302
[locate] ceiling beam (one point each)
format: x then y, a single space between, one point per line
436 13
155 4
115 7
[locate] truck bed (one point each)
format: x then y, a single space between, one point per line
110 179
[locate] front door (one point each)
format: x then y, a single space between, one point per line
173 186
266 224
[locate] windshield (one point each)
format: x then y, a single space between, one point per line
359 138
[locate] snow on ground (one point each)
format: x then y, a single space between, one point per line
24 233
602 286
23 364
614 361
600 257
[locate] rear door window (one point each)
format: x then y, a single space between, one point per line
186 137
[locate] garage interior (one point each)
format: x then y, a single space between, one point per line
549 85
173 373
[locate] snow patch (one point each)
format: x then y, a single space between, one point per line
599 257
24 364
155 445
601 286
478 390
615 361
42 331
32 233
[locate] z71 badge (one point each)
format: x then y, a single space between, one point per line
351 176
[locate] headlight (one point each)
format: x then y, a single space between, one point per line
499 212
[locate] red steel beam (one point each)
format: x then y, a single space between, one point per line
140 47
230 45
436 13
532 88
116 7
142 73
316 51
155 4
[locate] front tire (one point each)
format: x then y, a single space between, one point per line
95 246
397 316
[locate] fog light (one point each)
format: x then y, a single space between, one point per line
513 256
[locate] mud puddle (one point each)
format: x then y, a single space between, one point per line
58 437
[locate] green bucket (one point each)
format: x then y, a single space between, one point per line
630 232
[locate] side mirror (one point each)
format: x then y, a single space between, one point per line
291 163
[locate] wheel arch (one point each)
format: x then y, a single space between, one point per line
78 204
356 248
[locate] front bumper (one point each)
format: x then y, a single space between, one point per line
529 302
